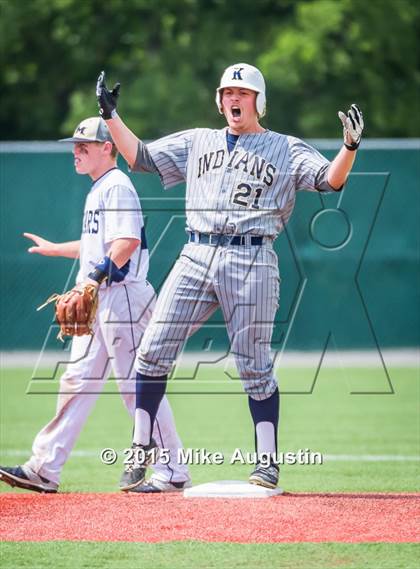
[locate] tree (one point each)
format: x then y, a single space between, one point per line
317 55
331 54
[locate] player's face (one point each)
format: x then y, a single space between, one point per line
239 108
88 157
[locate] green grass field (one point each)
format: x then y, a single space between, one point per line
330 420
192 555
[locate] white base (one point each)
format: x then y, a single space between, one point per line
230 489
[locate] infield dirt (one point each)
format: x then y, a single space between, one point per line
160 518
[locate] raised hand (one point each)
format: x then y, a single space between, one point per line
352 127
107 100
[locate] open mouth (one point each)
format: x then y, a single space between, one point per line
236 112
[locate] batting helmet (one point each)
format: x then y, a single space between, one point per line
246 76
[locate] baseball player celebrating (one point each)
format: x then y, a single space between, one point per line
241 183
114 258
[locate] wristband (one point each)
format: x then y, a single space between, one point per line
103 270
353 146
107 269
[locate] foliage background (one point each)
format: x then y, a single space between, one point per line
317 56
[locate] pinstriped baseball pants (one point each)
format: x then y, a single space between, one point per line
244 282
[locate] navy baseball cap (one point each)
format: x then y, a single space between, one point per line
93 129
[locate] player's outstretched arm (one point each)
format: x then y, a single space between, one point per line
352 133
70 249
125 140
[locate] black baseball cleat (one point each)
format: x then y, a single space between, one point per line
24 477
155 486
135 469
267 476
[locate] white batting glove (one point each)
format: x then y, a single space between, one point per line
352 127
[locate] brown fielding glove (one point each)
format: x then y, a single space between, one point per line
75 310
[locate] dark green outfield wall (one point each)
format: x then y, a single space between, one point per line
349 263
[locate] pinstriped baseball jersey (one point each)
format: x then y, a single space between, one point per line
250 190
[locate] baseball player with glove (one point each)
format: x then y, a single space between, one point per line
106 313
241 184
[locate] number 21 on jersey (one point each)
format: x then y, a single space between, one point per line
247 196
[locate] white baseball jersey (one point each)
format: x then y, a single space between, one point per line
112 211
250 190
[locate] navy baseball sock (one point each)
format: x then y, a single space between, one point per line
265 415
149 393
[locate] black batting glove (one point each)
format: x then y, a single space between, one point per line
353 126
107 100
